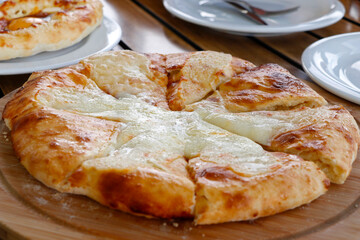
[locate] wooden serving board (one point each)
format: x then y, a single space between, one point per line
30 210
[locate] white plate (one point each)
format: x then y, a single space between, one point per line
334 63
312 14
103 38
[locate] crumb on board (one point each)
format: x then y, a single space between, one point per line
41 201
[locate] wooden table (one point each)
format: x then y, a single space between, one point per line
148 27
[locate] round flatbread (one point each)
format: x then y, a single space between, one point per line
28 27
144 133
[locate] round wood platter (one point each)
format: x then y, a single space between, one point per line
30 210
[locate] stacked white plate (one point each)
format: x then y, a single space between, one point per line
311 14
334 63
104 38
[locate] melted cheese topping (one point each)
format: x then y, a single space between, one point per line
25 22
259 128
262 126
201 74
203 67
151 134
19 9
132 76
225 149
143 150
124 148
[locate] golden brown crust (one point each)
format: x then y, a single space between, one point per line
176 61
158 66
25 100
194 75
267 87
147 181
239 66
137 190
327 135
103 128
143 76
223 195
52 143
24 30
331 143
142 192
237 180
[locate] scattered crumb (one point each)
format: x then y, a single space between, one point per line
251 221
110 215
58 196
164 224
175 224
203 235
65 205
41 201
33 187
356 205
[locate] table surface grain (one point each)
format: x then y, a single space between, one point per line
148 27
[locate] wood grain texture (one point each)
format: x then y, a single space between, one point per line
291 46
243 47
11 82
31 210
337 28
208 39
352 8
141 32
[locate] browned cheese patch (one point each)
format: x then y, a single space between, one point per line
142 193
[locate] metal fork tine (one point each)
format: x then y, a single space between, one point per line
251 15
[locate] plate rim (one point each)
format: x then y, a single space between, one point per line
325 81
336 14
114 40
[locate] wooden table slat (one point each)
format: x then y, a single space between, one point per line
148 27
337 28
143 33
209 39
352 10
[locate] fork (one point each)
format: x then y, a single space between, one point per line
261 11
283 7
254 12
247 12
